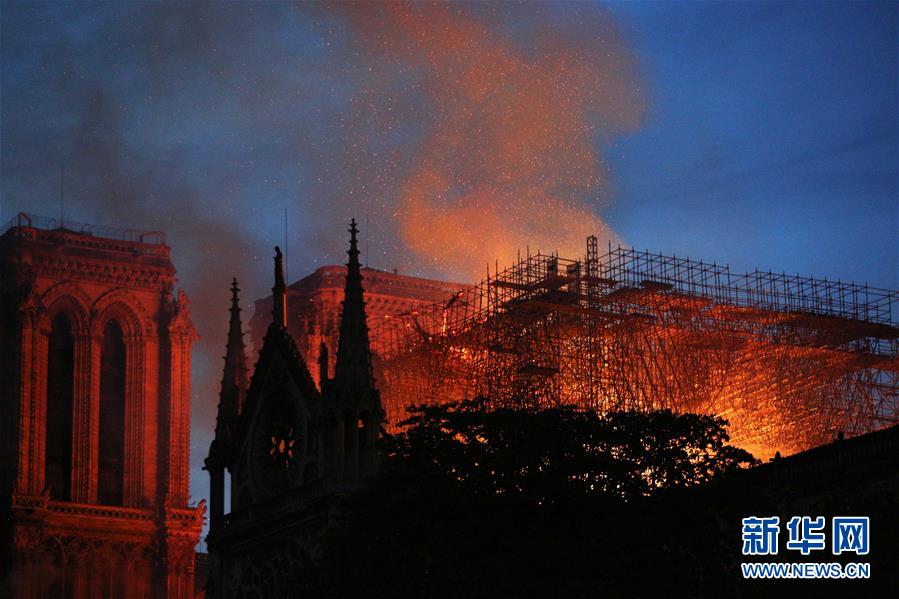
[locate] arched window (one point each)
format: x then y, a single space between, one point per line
111 484
60 385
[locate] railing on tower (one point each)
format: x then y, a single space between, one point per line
34 221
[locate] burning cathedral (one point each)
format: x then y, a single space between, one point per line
284 447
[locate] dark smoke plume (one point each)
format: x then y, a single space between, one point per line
461 132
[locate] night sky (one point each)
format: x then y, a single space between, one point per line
756 134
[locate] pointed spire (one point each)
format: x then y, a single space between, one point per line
353 370
234 376
279 292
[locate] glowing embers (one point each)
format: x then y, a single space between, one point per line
663 333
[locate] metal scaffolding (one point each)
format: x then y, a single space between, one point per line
790 361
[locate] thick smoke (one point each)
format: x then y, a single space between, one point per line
80 104
514 116
460 132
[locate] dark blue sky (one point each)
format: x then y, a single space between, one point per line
771 137
756 134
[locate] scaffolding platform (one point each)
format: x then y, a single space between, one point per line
789 360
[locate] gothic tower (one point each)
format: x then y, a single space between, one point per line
290 447
94 415
356 400
231 398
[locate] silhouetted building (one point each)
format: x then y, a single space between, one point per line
289 446
861 471
314 304
94 415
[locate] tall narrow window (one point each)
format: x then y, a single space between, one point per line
60 385
111 484
226 504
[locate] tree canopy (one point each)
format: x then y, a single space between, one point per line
548 456
473 500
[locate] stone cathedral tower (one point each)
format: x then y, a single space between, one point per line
94 415
289 447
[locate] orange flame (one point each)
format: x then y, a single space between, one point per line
512 155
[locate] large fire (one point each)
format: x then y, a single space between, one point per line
511 151
790 362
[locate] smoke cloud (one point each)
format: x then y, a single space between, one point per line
460 132
515 121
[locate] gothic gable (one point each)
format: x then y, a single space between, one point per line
280 430
290 448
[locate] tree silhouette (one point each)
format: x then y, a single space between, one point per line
555 454
478 501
